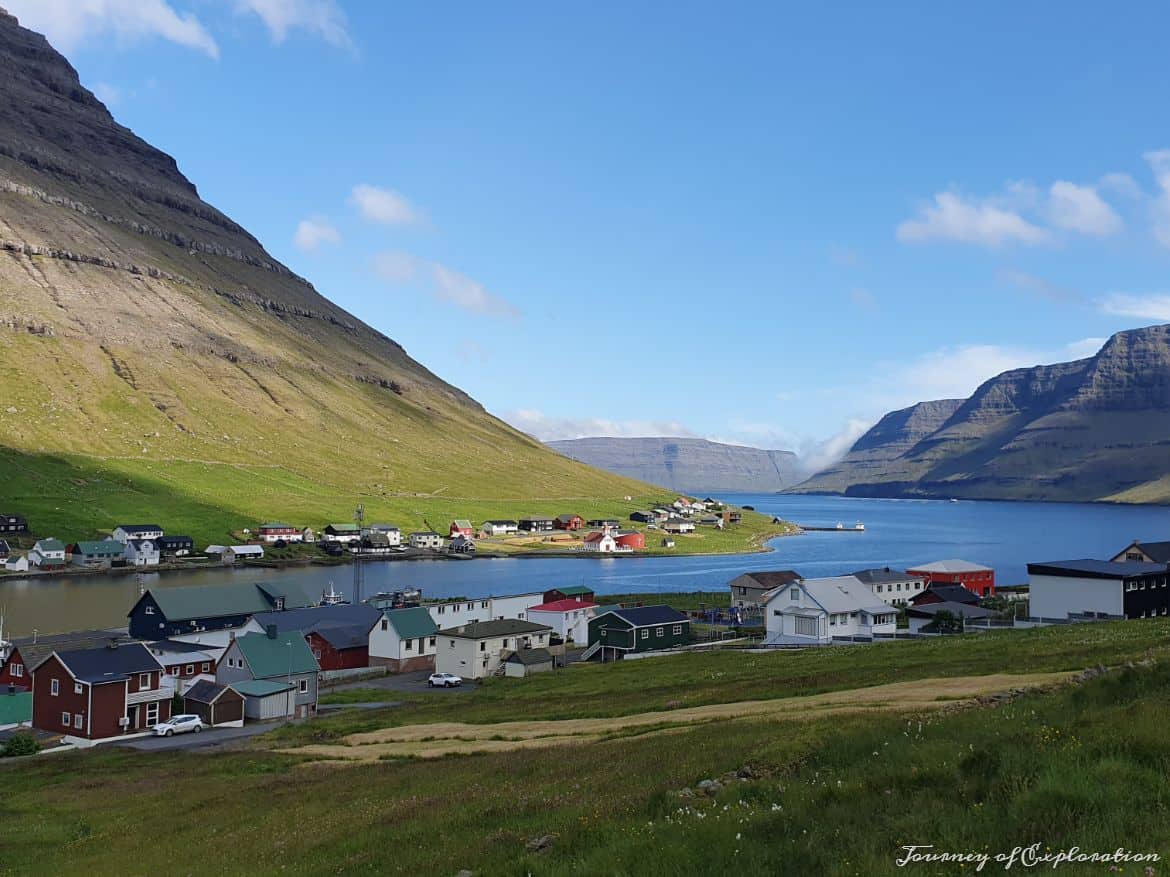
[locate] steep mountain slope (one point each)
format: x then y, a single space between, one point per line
685 464
150 346
1096 428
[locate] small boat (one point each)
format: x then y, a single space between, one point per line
331 597
840 526
859 526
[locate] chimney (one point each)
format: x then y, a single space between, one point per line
271 631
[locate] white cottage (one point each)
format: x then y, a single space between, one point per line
569 617
815 611
141 552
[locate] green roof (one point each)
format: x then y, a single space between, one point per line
412 623
575 590
15 708
104 548
272 525
344 528
283 655
294 594
210 601
260 687
50 545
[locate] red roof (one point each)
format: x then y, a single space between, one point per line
595 537
562 606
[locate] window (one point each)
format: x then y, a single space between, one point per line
54 687
152 713
483 604
432 642
451 642
676 630
1131 586
206 666
879 589
385 624
144 680
65 719
483 647
442 610
645 634
77 721
303 686
149 610
77 688
190 669
17 669
794 594
504 644
317 654
833 620
409 645
805 626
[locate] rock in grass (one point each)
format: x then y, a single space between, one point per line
539 844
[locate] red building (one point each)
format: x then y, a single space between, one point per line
568 522
569 592
461 527
635 540
100 693
277 531
979 580
27 651
338 635
340 647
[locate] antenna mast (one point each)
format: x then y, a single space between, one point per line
359 517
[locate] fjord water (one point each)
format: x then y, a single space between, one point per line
899 533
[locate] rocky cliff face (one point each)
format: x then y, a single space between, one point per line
138 321
1097 428
686 465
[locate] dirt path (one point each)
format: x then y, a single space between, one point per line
448 738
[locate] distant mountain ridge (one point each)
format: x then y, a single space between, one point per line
688 465
1092 429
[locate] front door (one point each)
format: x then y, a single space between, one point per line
132 714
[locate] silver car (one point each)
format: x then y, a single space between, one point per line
180 724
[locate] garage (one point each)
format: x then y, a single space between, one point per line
265 700
215 704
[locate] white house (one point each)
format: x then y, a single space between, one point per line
891 586
141 552
16 563
126 532
678 525
428 539
500 528
232 553
474 651
817 610
47 553
514 605
451 613
569 618
404 640
1125 589
600 542
393 534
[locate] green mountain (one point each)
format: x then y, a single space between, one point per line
156 361
1093 429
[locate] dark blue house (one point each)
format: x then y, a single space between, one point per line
167 612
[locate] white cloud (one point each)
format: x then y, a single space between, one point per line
813 455
951 217
1081 209
1159 161
313 232
1154 306
446 284
1121 184
321 18
383 205
68 23
545 428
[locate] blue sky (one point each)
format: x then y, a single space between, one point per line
761 223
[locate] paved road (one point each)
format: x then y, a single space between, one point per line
206 738
416 681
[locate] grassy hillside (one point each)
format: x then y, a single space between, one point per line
828 793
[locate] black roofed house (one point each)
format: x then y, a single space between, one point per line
747 590
164 613
1146 552
24 653
536 525
13 524
337 635
604 523
174 546
892 586
1062 589
215 704
100 693
126 532
525 662
642 517
922 618
945 594
615 632
477 649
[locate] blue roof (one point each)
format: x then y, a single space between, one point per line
1097 569
108 664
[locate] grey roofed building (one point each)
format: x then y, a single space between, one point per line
530 657
964 610
1097 569
489 629
108 664
951 566
882 576
343 626
837 594
1151 552
748 589
646 616
205 691
33 650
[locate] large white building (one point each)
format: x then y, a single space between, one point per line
817 610
1129 589
474 651
892 586
454 612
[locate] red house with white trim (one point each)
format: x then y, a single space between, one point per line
974 577
462 527
635 540
100 693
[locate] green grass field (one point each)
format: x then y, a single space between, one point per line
1082 765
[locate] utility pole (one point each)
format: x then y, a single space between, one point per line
359 517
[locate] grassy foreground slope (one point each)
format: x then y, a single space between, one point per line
836 795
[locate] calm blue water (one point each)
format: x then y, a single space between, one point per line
899 533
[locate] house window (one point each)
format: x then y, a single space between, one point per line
190 669
879 589
149 610
833 620
794 593
483 604
303 686
442 610
1131 586
143 680
77 721
317 654
504 644
676 630
658 631
17 670
54 687
174 671
65 717
483 646
645 634
206 667
805 626
432 642
385 624
410 645
152 713
452 643
77 688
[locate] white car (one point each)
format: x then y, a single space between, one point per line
444 680
179 725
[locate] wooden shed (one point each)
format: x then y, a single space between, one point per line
215 704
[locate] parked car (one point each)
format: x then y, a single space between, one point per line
179 725
444 680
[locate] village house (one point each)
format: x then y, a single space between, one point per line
277 531
215 704
606 523
643 517
475 650
392 534
171 547
679 526
748 590
817 611
16 563
923 618
568 592
615 632
730 516
426 539
629 540
974 577
601 542
376 543
47 554
229 554
499 528
23 653
568 522
281 660
184 663
528 661
451 613
461 527
343 533
338 635
568 617
13 524
462 545
536 525
97 555
404 640
169 612
944 594
1145 552
1120 589
141 552
126 532
890 585
100 693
